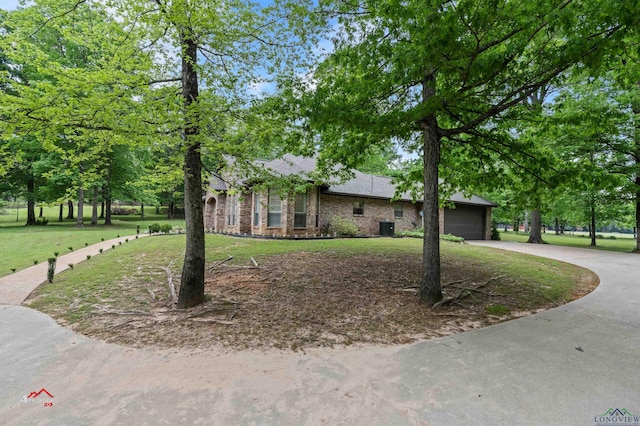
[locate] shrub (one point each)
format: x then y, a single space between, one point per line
35 262
88 256
154 227
166 228
495 234
101 250
414 234
70 265
342 226
121 211
56 253
611 237
449 237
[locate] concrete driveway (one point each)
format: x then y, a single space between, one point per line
568 365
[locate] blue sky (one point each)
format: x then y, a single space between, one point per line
8 4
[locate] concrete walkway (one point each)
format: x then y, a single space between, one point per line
565 366
15 288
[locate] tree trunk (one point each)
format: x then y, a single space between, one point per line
60 219
80 218
430 288
70 210
192 280
94 207
31 202
41 210
141 211
526 221
170 210
593 225
106 196
107 213
535 230
637 205
101 209
557 227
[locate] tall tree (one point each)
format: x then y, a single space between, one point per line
439 76
112 70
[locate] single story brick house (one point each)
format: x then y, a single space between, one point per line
365 199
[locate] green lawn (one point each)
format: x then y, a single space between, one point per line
623 243
21 246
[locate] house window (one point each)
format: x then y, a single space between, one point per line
300 213
358 208
256 209
397 210
274 209
232 205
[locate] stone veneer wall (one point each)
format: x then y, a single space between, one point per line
375 211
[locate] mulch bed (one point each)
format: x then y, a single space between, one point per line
303 300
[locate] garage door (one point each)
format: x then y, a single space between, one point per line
467 222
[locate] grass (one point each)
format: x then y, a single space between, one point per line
121 278
622 243
541 279
20 245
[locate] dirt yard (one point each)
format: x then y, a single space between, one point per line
302 300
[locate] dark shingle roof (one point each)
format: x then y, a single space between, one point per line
361 185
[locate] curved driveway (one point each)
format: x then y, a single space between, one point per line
563 366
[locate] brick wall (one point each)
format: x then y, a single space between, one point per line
375 211
287 219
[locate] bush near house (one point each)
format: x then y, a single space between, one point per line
342 226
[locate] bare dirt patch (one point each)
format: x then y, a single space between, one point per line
301 300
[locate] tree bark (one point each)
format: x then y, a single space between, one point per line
192 280
60 219
80 218
31 201
141 211
101 209
41 211
430 288
593 225
637 202
106 194
70 210
535 229
107 213
94 207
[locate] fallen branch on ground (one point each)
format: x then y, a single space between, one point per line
212 267
223 307
468 290
174 297
132 312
